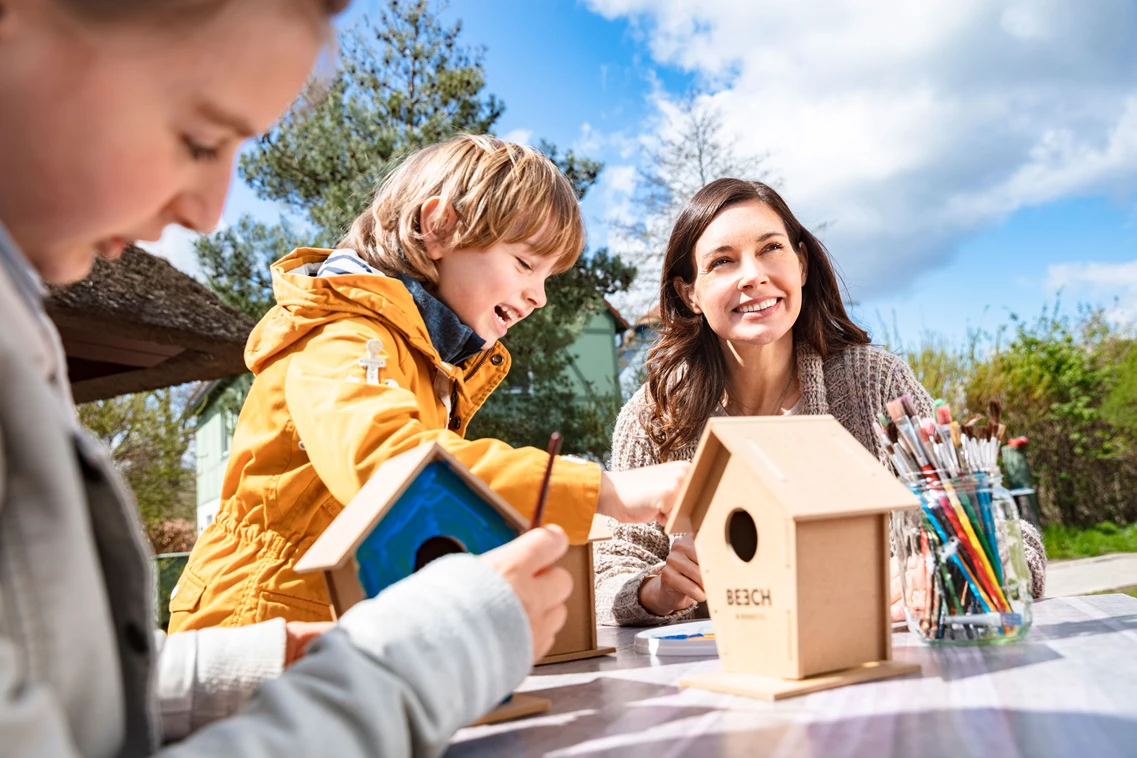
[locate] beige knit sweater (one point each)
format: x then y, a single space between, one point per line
853 386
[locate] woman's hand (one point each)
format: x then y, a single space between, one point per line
917 580
642 495
298 635
679 585
527 564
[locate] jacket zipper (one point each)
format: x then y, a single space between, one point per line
478 365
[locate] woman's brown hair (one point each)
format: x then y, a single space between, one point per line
686 370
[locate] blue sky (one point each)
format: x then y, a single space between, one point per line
970 159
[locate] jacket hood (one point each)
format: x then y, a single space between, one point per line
305 302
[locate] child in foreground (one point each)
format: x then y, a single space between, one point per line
384 344
118 117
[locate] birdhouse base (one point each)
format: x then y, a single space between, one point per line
771 688
516 707
576 655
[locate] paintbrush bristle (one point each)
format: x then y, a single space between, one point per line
995 412
909 406
893 432
895 410
943 415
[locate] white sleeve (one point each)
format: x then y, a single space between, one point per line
210 674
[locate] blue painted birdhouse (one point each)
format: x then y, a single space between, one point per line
417 507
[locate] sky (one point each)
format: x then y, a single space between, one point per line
968 159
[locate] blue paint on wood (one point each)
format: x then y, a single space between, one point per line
438 503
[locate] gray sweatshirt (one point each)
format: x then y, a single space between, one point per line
80 675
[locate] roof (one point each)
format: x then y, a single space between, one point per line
620 320
351 527
811 465
139 324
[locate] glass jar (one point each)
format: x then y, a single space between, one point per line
963 574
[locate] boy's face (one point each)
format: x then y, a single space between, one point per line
491 290
108 133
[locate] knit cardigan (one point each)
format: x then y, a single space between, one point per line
853 386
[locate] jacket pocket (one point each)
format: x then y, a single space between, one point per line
273 605
186 595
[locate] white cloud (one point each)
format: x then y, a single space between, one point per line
621 179
615 188
908 126
176 246
1098 281
520 136
592 141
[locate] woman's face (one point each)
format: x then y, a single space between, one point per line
748 278
110 132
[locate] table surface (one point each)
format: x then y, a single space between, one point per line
1068 689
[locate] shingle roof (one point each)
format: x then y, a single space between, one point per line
139 324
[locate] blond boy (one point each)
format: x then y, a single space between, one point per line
388 342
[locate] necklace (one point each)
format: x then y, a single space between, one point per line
781 397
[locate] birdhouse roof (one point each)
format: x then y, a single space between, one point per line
367 509
811 465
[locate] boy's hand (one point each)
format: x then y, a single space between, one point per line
679 585
641 495
527 564
298 635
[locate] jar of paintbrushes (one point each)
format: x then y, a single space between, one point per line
963 570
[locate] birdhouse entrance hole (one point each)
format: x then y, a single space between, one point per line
436 547
742 534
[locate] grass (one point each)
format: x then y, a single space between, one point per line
1131 591
1107 537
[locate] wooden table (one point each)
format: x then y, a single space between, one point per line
1069 689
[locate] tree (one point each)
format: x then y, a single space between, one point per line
688 153
149 434
406 82
235 262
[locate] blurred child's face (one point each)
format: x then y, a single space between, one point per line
491 290
108 133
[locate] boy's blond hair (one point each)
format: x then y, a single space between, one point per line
493 191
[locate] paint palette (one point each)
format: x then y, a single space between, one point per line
695 638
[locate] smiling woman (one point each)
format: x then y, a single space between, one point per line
752 324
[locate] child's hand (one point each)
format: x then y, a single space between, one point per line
641 495
527 564
679 585
298 635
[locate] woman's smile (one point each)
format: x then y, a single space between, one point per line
754 310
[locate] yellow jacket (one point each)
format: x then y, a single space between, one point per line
315 426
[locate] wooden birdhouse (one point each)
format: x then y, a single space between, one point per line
577 638
422 505
791 524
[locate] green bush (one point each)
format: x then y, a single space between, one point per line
1069 384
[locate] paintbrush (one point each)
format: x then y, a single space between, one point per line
555 440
